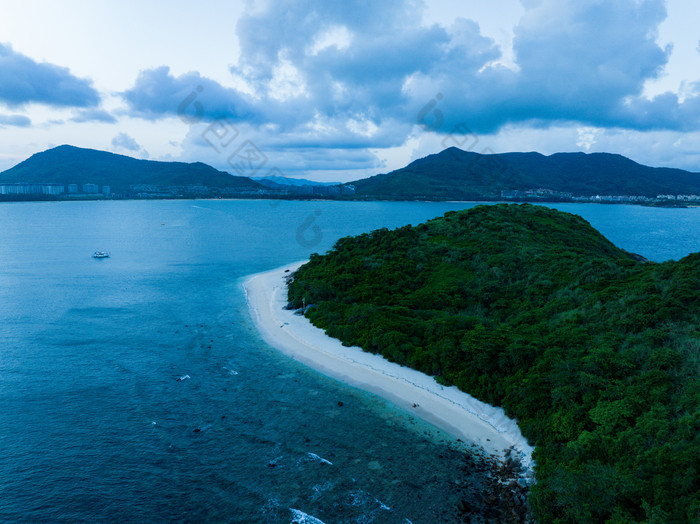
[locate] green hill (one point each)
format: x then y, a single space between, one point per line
73 165
464 175
592 349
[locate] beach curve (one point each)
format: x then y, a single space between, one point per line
447 408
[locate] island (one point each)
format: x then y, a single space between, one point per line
593 350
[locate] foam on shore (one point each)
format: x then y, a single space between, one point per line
448 408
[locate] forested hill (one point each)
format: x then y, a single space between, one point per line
594 351
464 175
74 165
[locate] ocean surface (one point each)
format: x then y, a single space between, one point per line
136 389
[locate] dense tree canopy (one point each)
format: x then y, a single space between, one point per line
454 174
594 351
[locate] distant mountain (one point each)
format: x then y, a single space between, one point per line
454 174
74 165
281 182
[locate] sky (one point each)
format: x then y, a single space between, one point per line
339 90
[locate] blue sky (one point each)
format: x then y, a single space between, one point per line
340 90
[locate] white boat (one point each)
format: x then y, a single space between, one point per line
100 254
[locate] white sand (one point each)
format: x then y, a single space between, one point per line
453 411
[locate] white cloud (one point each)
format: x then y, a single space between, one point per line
352 77
287 81
587 137
336 36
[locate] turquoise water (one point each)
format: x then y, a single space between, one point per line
95 425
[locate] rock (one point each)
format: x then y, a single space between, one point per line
464 507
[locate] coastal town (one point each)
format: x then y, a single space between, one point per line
548 195
41 191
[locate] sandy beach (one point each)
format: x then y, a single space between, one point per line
453 411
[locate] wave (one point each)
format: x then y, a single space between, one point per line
319 459
299 517
360 498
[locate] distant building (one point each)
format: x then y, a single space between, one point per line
32 189
72 188
106 190
91 189
511 193
53 189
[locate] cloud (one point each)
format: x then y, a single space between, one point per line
300 156
583 62
93 115
359 74
26 81
192 97
587 137
14 120
125 142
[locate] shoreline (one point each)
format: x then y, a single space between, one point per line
455 412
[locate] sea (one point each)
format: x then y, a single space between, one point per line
135 388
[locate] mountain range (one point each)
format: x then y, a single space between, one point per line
452 174
73 165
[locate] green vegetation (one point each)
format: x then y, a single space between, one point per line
75 165
592 350
454 174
